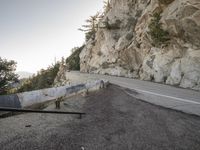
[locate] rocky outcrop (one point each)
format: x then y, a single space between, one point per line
60 79
155 40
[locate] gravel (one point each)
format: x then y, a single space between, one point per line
113 121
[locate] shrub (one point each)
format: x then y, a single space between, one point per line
43 79
73 61
110 26
105 65
7 75
99 53
158 35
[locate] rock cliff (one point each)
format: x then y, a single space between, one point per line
155 40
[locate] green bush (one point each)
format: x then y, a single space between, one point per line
43 79
73 61
158 35
111 26
99 53
7 75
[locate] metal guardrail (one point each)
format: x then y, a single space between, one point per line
40 111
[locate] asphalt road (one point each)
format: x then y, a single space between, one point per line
114 121
185 100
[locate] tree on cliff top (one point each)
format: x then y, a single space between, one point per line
91 27
107 6
7 75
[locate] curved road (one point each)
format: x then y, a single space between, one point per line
168 96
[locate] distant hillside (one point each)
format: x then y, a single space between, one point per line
24 74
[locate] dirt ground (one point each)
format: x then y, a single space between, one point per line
113 121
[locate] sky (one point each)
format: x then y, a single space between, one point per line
35 32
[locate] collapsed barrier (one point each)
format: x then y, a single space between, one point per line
40 111
31 98
35 99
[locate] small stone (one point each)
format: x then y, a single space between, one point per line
28 126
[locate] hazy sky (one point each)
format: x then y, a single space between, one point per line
34 32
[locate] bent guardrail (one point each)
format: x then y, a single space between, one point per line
40 111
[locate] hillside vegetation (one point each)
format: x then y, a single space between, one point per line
43 79
73 61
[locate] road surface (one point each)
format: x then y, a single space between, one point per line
114 121
168 96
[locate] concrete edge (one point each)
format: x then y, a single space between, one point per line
44 96
38 99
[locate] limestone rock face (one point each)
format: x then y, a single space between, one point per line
61 79
126 47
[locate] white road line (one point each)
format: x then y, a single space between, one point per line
152 93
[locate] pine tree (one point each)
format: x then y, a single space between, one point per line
91 27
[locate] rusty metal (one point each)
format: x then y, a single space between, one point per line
40 111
